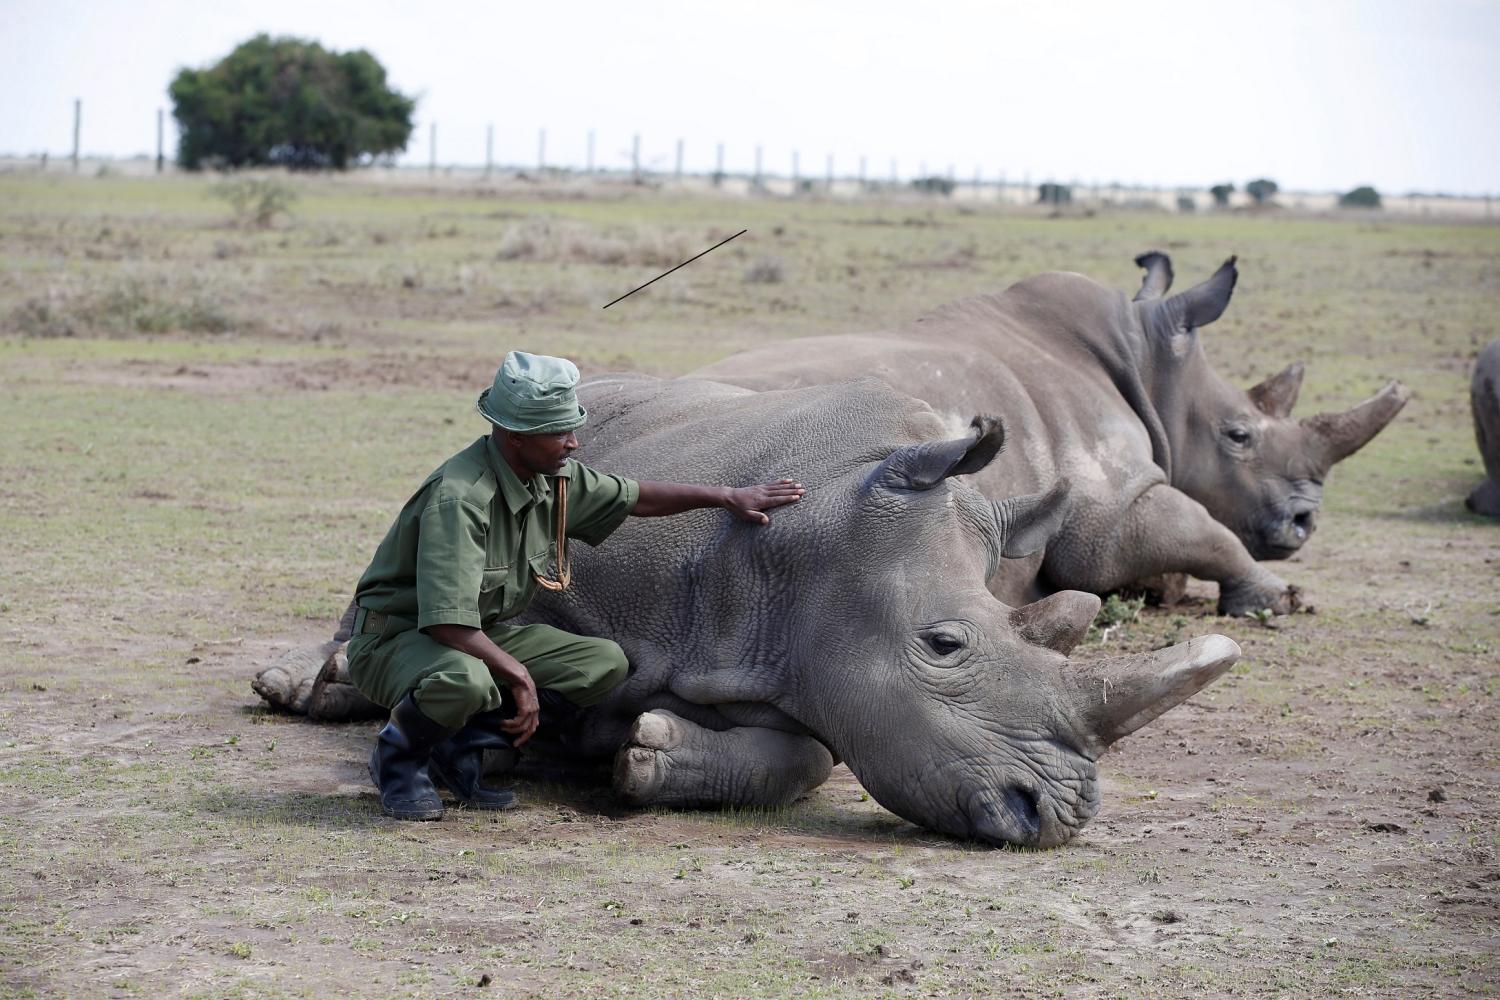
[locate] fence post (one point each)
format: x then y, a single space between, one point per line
160 129
77 127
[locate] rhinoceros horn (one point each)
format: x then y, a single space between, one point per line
1116 697
1059 621
1336 436
1158 275
1276 396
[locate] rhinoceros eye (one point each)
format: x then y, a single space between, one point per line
943 643
1238 435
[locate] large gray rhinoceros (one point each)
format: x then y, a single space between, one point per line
1484 397
856 626
1173 469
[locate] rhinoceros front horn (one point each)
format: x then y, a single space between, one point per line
1336 436
1116 697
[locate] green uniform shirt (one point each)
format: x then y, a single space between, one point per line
463 549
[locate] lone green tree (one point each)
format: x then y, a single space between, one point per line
288 102
1361 197
1221 193
1261 190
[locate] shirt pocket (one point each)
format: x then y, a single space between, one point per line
492 586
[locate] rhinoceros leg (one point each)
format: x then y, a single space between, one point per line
669 761
1167 531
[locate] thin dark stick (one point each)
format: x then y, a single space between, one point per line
685 263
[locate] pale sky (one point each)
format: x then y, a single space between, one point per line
1317 94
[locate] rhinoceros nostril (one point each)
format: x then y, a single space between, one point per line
1302 525
1022 804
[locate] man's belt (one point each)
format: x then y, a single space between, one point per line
370 622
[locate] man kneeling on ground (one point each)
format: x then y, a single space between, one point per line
468 552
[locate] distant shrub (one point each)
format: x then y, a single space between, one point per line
1186 204
256 200
1361 197
766 271
126 307
1221 193
1050 193
1113 613
1261 190
933 185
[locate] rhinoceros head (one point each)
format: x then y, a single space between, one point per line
956 711
1240 453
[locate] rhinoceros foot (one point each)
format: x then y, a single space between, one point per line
1256 596
669 761
1485 499
643 765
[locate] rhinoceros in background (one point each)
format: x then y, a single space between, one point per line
856 626
1484 397
1173 469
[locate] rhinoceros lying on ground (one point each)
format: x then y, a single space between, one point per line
1484 396
1173 469
856 626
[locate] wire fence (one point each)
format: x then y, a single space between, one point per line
650 170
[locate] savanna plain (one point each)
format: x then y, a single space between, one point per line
206 425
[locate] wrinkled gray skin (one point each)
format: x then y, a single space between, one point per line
856 626
1173 469
1484 396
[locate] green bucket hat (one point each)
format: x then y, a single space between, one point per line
533 394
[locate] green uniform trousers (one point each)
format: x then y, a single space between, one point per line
450 686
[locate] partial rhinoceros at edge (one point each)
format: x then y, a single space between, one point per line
857 626
1484 398
1173 469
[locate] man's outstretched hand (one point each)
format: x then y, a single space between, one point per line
750 503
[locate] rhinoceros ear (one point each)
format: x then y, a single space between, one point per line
1028 523
923 466
1202 304
1158 275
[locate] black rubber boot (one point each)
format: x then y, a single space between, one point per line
458 762
398 765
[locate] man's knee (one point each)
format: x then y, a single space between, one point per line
615 665
460 688
605 670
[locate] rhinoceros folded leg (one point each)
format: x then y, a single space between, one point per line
1167 531
669 761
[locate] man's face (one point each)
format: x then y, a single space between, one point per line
544 454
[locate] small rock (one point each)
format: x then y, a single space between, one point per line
1437 795
484 981
1168 917
1385 827
899 976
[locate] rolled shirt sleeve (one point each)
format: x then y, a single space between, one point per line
598 503
450 562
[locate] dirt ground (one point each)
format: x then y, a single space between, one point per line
1323 821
